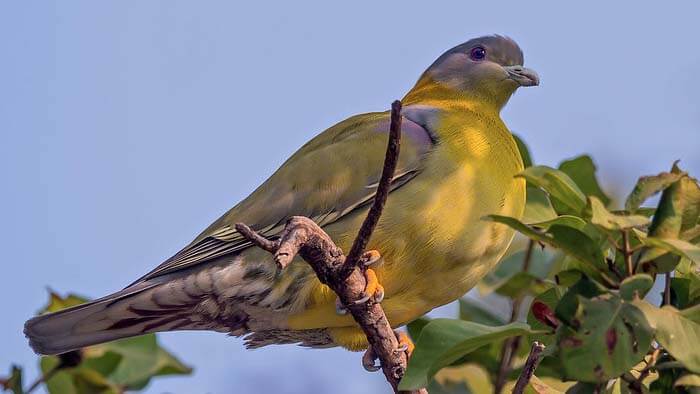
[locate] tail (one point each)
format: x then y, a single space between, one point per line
103 320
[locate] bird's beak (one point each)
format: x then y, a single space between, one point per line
522 75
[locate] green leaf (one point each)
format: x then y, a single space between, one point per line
534 386
142 359
415 327
677 211
582 171
676 333
13 382
474 311
647 186
690 380
524 151
519 226
613 336
538 208
60 382
111 367
692 313
568 306
542 318
583 388
680 292
567 278
523 283
509 279
563 220
565 194
56 302
461 379
669 213
435 387
664 383
686 269
636 286
570 240
665 245
444 341
89 381
691 235
619 386
690 191
583 248
102 362
603 218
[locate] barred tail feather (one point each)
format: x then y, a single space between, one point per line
124 314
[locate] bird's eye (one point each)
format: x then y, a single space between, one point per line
478 53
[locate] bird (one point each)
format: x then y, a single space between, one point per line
459 162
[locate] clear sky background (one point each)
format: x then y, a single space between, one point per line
126 127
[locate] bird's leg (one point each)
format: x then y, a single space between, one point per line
373 290
405 343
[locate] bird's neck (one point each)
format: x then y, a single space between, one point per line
428 91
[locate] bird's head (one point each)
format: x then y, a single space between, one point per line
488 68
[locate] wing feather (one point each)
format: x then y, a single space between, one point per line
308 185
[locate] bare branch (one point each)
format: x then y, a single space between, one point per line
390 161
511 345
346 276
257 239
627 252
533 360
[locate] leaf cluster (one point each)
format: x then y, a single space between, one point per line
586 278
110 368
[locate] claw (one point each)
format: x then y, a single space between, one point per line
368 360
379 295
362 300
370 257
373 290
405 343
340 309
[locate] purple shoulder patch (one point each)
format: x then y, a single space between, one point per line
419 136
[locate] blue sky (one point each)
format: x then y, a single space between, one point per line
126 127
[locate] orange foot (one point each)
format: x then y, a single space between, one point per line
373 290
405 345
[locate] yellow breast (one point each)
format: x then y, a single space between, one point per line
434 243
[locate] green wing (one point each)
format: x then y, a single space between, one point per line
330 176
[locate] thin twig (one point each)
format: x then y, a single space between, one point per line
511 345
65 360
613 268
390 161
533 360
43 378
528 255
627 252
636 385
346 275
667 290
639 257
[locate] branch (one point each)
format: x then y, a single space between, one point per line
66 360
627 252
346 276
511 345
533 360
667 289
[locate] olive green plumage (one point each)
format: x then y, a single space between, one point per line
457 164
